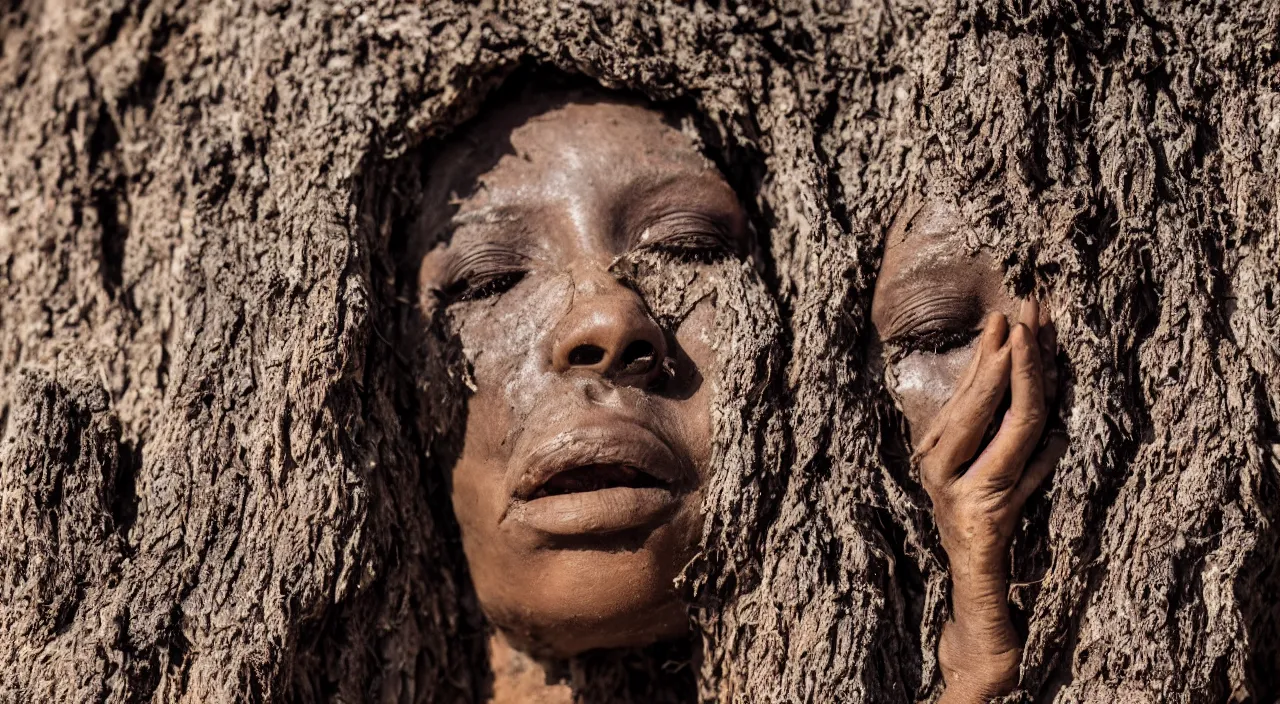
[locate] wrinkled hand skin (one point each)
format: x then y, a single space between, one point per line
978 494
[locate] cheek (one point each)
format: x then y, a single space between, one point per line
696 341
502 342
922 383
696 335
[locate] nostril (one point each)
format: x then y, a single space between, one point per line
585 356
638 358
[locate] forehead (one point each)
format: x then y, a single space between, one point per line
558 146
923 236
926 241
926 248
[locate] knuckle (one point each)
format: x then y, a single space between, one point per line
1028 361
942 498
930 476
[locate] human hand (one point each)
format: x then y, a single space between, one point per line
977 504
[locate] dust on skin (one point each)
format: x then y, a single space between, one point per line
588 435
972 369
588 438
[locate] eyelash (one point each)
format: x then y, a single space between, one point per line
482 286
933 341
482 273
689 236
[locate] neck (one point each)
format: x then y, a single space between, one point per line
658 674
519 678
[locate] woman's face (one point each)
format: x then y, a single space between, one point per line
931 298
588 434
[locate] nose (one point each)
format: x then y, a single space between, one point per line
609 332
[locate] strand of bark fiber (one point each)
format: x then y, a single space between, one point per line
200 222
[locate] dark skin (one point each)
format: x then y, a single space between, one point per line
958 348
588 438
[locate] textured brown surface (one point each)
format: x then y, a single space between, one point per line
217 485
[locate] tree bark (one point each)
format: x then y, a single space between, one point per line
225 429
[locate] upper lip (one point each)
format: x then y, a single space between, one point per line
622 444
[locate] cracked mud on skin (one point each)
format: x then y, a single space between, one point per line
971 368
932 295
588 438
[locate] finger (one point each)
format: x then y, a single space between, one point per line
1039 468
1026 382
1029 314
994 331
1002 461
989 342
970 411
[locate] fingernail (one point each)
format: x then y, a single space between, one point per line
991 324
1031 314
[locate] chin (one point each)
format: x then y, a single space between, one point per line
584 597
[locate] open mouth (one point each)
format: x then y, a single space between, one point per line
598 480
595 477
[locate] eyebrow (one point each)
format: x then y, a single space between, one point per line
650 186
488 215
646 185
496 221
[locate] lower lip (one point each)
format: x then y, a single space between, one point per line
596 512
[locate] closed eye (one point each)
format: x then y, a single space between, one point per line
935 325
481 271
934 341
689 235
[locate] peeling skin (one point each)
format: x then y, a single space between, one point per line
559 209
